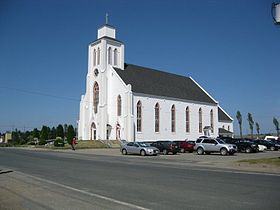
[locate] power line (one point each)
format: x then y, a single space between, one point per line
40 93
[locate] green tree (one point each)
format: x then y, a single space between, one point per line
36 133
70 133
239 119
251 123
60 131
52 134
258 129
25 137
44 134
16 137
65 130
49 132
276 123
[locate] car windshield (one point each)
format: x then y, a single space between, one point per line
143 145
220 141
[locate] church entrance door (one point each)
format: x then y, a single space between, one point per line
118 132
93 131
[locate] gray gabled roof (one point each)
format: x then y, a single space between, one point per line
153 82
222 116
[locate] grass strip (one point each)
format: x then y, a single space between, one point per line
267 161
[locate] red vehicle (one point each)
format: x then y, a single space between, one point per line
185 146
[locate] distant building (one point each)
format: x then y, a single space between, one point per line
135 103
8 136
225 123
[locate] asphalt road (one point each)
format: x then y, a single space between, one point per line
55 180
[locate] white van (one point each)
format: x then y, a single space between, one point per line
270 138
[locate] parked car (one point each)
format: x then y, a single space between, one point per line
271 146
166 147
261 148
201 138
243 145
185 146
276 142
209 145
138 148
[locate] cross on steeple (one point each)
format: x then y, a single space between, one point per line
107 17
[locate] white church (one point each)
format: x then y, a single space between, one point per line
134 103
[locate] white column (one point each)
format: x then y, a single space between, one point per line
129 115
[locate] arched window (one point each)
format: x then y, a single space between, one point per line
173 118
223 127
228 128
110 55
98 56
212 120
119 105
95 96
157 117
187 120
115 57
94 57
200 120
139 116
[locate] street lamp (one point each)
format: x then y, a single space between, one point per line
275 12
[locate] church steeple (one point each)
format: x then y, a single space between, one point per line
106 30
106 50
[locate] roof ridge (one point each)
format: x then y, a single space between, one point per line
161 71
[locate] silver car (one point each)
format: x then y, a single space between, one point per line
209 145
138 148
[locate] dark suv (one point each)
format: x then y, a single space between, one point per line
166 147
276 142
185 146
243 145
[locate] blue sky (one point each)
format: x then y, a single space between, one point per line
231 48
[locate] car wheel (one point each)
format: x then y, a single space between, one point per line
224 151
165 152
200 151
124 152
272 148
182 150
142 153
248 150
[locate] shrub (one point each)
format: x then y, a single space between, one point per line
42 142
59 142
31 142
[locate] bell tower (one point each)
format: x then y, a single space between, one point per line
105 53
106 50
